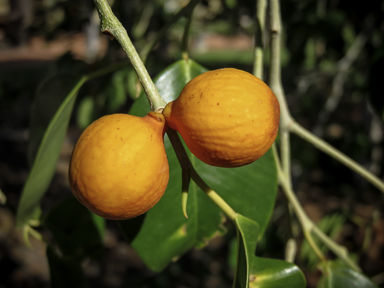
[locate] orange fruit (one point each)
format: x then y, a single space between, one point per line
119 168
227 117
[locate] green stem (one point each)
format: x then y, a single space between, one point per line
325 147
287 125
186 179
259 36
213 195
110 25
285 148
114 67
305 222
290 250
184 43
309 227
277 87
288 207
275 70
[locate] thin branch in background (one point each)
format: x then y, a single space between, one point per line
333 152
276 86
261 6
92 34
340 251
285 118
139 29
376 136
343 67
287 124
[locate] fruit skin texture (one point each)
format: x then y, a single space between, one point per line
119 168
227 117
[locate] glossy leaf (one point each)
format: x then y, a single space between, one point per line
253 271
65 272
49 124
164 234
76 231
337 275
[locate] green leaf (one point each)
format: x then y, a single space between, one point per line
164 234
65 272
76 231
85 110
116 94
337 275
132 85
49 122
49 97
257 272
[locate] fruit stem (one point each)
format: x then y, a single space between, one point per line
213 195
111 26
185 180
186 165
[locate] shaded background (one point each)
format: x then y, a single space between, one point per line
332 58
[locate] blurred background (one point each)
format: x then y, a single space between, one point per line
332 57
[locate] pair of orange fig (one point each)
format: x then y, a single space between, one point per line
119 168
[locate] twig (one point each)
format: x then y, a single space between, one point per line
184 43
285 117
276 86
305 222
259 38
339 250
338 83
325 147
111 26
287 124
